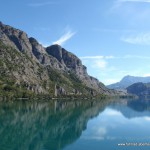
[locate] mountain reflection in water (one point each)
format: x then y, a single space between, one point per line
45 125
71 125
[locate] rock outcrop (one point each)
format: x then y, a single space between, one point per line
28 66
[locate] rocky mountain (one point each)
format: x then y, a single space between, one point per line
127 81
28 68
140 89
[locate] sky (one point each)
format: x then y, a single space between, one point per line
111 37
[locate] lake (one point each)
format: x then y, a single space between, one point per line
75 125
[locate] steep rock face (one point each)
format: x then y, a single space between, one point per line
69 61
15 38
73 64
43 57
40 70
20 69
37 49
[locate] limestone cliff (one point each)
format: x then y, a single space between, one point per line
29 68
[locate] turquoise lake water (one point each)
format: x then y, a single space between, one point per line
75 125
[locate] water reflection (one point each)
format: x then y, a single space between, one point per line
132 108
49 125
121 122
73 125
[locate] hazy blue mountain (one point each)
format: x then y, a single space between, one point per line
140 89
127 81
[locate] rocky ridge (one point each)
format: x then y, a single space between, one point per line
29 68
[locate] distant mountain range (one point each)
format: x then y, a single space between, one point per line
127 81
28 68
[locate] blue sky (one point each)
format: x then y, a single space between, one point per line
111 37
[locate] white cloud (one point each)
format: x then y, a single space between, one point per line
99 64
68 34
147 118
64 38
98 133
141 39
111 112
42 4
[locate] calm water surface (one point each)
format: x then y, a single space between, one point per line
80 125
